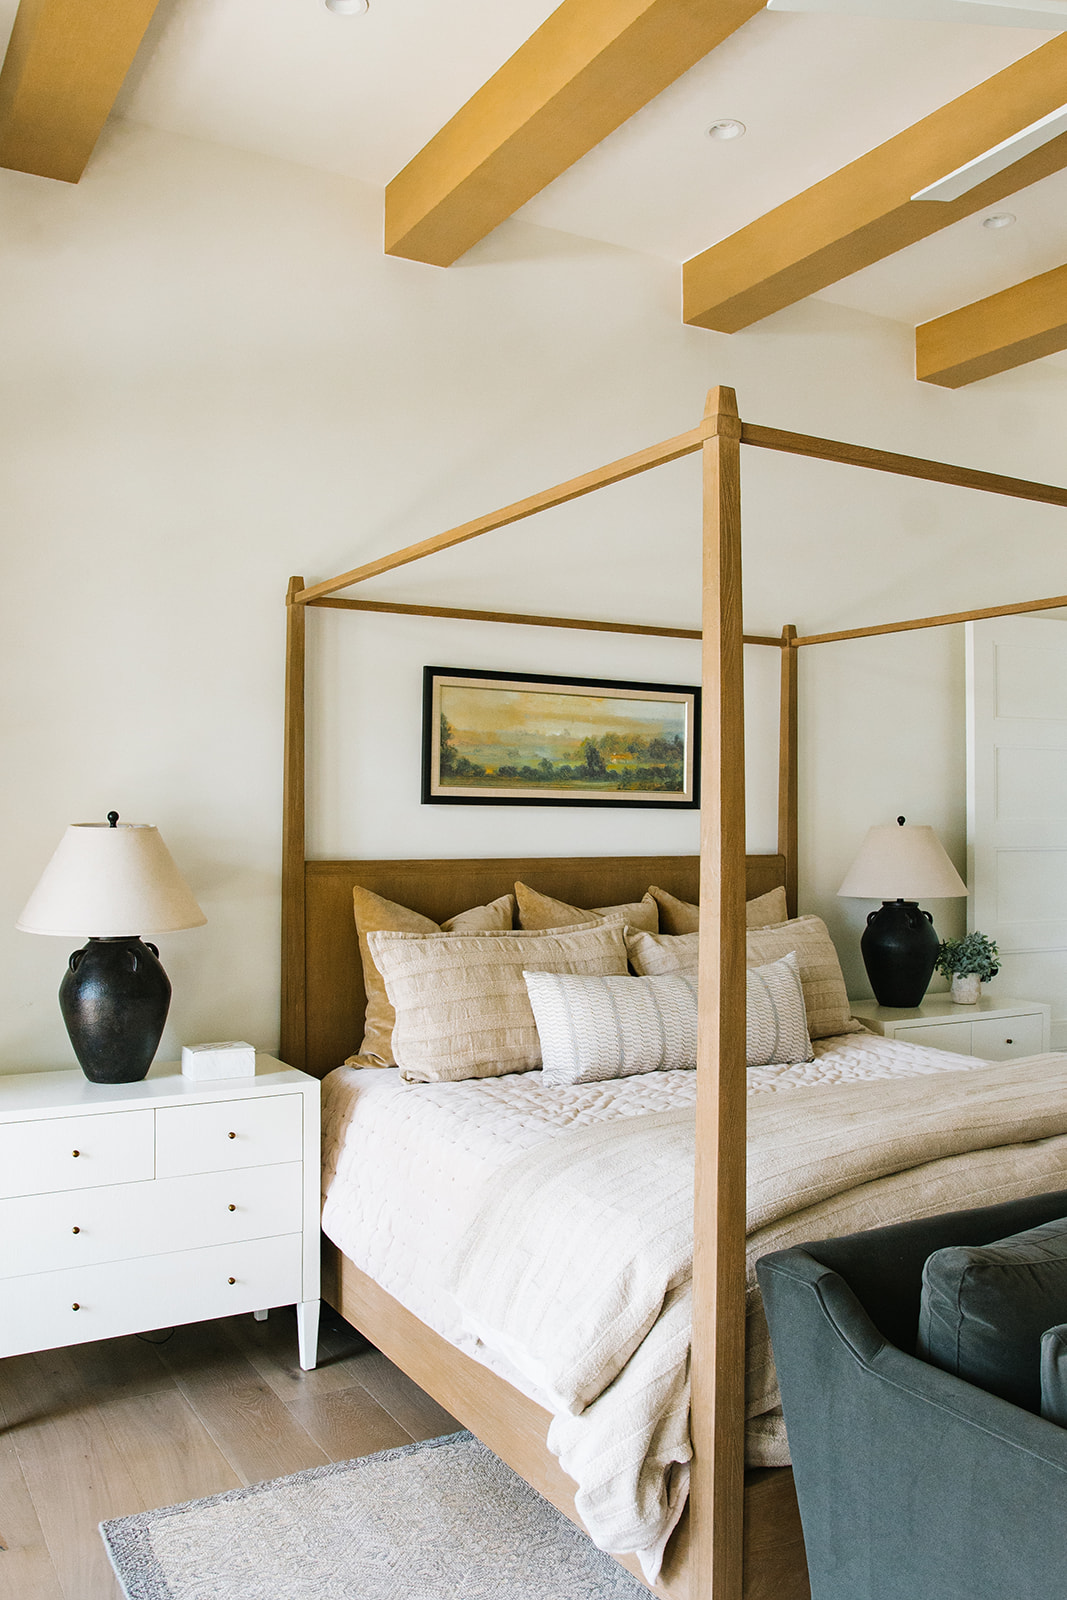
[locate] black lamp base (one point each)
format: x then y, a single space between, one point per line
899 948
114 998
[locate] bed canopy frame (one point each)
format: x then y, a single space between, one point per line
743 1537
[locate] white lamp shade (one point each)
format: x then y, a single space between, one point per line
902 863
106 882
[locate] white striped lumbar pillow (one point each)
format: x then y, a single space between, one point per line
594 1028
613 1027
776 1024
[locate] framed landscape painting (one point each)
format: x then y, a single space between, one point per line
508 738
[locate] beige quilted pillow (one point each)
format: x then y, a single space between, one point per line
462 1010
375 915
537 910
825 1000
680 916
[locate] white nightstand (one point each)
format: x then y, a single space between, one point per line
995 1029
131 1206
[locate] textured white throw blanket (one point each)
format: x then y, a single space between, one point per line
576 1266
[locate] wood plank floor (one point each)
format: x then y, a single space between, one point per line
102 1430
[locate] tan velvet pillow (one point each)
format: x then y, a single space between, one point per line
375 915
679 916
825 999
461 1005
537 910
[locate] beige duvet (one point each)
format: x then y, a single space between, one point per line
575 1264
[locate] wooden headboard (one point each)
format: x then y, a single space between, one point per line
331 1025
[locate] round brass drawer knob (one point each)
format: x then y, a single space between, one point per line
231 1280
231 1208
75 1306
1009 1041
75 1152
75 1230
231 1136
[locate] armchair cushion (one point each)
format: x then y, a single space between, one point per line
1054 1375
984 1308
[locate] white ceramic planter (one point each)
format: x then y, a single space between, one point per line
966 988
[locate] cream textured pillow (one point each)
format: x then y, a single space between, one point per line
825 998
374 915
654 954
596 1028
537 910
776 1029
460 1002
680 916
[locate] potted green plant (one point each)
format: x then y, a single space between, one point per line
968 962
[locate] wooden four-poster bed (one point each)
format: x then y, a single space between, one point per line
742 1533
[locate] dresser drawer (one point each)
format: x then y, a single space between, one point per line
38 1313
1006 1038
953 1036
83 1227
221 1135
75 1152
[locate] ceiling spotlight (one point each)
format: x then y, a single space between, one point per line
347 8
999 219
726 128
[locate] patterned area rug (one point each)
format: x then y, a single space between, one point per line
442 1520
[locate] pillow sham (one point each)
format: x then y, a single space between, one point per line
612 1027
537 910
984 1308
461 1006
374 914
681 917
825 999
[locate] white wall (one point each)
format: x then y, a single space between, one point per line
212 379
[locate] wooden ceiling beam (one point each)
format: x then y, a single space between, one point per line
584 72
1004 330
64 67
864 212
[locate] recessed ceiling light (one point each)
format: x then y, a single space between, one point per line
727 128
999 219
347 8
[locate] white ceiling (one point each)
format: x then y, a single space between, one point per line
361 95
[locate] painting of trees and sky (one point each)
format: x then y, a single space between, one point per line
499 736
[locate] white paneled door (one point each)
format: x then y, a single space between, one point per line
1017 802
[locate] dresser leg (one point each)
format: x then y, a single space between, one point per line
307 1333
261 1316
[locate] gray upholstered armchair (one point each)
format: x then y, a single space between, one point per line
912 1484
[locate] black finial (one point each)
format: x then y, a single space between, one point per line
113 818
901 821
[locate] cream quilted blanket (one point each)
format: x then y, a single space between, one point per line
576 1265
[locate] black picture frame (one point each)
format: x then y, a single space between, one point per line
638 753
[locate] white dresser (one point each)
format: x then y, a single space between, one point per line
995 1029
125 1207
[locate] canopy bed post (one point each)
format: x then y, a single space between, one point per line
718 1393
787 766
294 968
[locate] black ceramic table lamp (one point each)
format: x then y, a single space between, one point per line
901 865
111 882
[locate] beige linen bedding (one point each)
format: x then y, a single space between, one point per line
604 1339
577 1265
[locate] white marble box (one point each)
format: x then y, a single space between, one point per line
231 1059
